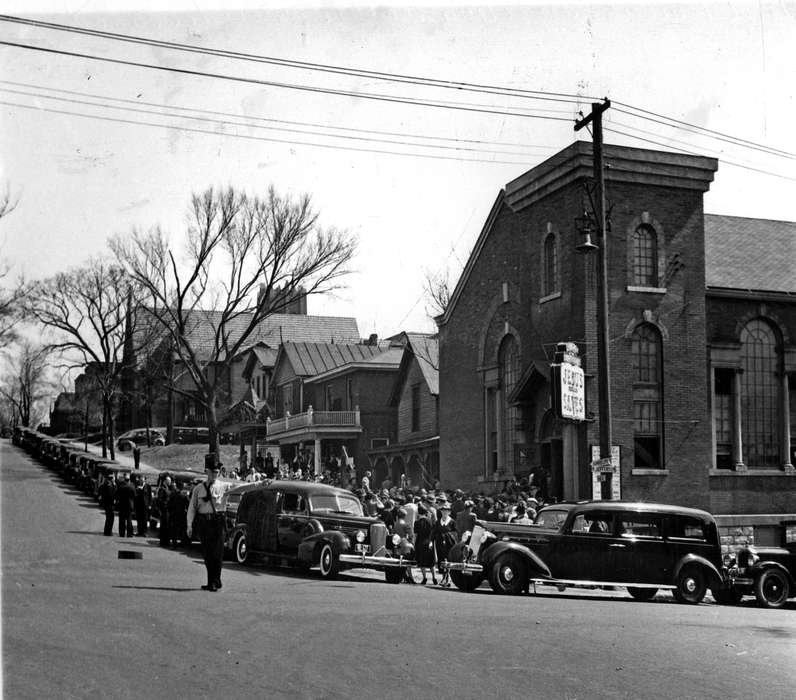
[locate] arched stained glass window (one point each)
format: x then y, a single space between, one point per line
551 284
759 394
645 256
509 360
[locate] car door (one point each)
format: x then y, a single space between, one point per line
638 552
292 520
580 551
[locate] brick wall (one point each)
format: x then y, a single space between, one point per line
511 253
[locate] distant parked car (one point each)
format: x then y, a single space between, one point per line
190 436
641 546
768 573
127 441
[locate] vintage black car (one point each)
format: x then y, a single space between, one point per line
127 441
310 525
768 573
641 546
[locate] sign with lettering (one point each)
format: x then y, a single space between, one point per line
573 392
606 475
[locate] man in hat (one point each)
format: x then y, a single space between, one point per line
207 516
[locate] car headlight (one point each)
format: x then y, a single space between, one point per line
360 536
396 540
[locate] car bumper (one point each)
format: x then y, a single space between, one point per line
368 560
464 567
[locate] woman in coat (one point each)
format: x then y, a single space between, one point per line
444 536
424 545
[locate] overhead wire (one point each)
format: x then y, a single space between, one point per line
724 161
441 104
138 103
121 120
307 65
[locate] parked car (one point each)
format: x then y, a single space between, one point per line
230 502
128 440
311 524
641 546
768 573
189 436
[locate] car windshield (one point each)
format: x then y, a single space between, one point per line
336 503
551 518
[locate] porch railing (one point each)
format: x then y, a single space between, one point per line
310 418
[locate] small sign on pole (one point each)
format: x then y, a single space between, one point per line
606 475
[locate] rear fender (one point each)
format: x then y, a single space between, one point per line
536 567
714 575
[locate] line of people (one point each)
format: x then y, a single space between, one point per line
132 498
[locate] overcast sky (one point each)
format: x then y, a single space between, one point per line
414 182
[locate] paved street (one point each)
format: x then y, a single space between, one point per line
78 622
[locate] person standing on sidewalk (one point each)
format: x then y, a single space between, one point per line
125 497
107 497
207 516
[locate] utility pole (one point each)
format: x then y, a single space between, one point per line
603 371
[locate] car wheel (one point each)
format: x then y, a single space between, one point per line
642 594
691 585
329 563
726 596
772 589
393 574
240 549
466 582
507 575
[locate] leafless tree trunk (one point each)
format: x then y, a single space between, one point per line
244 259
26 383
87 310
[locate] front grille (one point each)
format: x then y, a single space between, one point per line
378 538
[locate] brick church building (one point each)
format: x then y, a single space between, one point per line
702 343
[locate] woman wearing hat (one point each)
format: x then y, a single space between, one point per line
444 537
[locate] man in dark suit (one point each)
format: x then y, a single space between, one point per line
142 502
107 496
125 498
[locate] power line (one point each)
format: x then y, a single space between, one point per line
141 110
485 109
694 127
260 138
703 151
139 103
306 65
695 153
637 112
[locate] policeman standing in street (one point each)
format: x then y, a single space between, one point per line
205 514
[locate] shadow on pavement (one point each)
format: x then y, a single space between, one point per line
160 588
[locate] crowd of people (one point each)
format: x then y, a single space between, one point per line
431 520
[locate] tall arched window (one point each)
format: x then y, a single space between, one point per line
645 256
647 397
759 394
550 265
509 360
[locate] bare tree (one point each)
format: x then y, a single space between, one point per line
87 308
437 289
244 259
26 385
